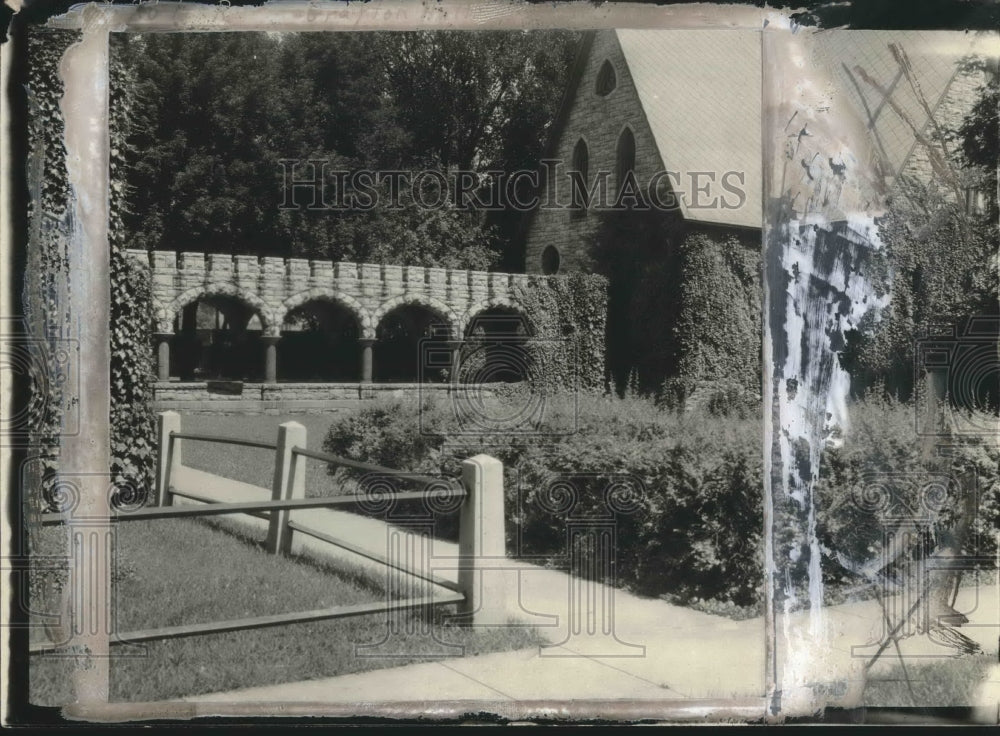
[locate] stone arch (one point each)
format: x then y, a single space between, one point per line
165 316
492 303
435 305
326 294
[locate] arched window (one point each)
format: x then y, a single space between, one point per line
581 163
624 157
606 79
550 260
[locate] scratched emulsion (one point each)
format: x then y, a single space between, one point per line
819 236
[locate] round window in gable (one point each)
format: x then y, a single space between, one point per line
606 79
550 260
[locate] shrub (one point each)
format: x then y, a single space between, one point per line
696 528
695 531
386 433
878 474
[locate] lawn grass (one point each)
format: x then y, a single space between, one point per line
180 571
252 465
944 683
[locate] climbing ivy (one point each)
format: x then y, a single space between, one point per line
684 309
133 436
569 315
48 281
718 328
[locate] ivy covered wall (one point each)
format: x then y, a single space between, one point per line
684 308
45 293
48 281
718 330
569 315
133 431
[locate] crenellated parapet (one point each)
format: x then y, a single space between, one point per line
273 287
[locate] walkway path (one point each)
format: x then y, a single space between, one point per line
658 651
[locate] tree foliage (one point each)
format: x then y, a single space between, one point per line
939 262
218 113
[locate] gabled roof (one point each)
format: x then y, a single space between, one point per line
700 90
701 93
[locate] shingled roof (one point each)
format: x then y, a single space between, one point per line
700 90
701 93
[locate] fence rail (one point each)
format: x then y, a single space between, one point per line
218 509
263 622
481 527
374 557
223 440
344 462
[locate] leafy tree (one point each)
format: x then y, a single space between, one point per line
204 177
481 101
478 100
979 135
219 112
939 263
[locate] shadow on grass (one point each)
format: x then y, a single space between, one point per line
173 572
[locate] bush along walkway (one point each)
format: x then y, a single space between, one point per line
606 644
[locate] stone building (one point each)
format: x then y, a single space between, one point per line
685 103
681 112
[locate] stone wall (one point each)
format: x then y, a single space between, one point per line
599 121
282 398
275 286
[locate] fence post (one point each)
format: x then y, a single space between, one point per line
168 456
481 537
289 482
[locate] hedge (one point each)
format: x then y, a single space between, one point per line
695 529
694 532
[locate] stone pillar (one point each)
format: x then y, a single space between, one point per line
482 543
163 356
84 456
456 360
289 482
367 343
270 358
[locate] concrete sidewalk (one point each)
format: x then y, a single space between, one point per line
622 647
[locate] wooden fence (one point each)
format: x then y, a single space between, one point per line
481 527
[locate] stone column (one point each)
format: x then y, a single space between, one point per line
456 360
85 455
482 544
367 343
270 358
163 355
